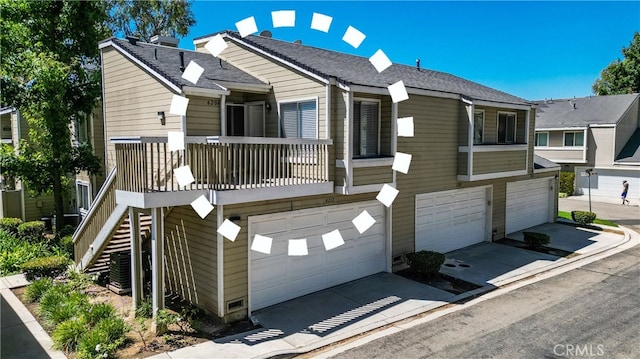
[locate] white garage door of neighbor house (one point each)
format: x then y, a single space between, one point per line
449 220
278 277
607 182
528 204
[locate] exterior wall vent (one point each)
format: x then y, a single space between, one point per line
235 305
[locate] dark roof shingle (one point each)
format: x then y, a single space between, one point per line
596 110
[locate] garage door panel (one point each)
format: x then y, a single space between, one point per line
361 255
528 204
274 227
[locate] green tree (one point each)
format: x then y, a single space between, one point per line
50 73
621 76
146 18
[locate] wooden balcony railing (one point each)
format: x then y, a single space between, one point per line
145 164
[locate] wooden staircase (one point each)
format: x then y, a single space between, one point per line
120 242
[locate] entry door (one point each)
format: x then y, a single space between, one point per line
245 119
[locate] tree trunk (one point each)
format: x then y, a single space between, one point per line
59 202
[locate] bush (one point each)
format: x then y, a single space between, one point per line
71 305
145 308
536 240
566 182
103 340
14 252
97 312
68 333
427 263
31 231
35 290
68 230
583 218
51 267
10 225
65 244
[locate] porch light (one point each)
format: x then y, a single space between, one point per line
161 118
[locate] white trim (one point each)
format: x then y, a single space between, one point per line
550 169
223 115
627 164
370 162
515 127
278 59
271 193
135 60
7 110
367 188
470 109
244 87
494 148
297 101
384 91
158 199
196 91
578 148
348 172
89 199
493 175
561 129
604 125
394 150
220 261
502 105
327 114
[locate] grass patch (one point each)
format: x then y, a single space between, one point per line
567 215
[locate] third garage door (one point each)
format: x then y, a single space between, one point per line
528 203
449 220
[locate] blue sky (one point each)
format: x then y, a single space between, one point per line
534 50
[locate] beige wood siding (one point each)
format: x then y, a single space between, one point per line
602 147
492 162
434 165
463 158
490 135
190 257
556 138
38 207
236 252
372 175
561 155
203 116
96 138
10 204
132 100
287 84
341 124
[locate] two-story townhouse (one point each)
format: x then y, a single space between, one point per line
600 133
292 144
15 199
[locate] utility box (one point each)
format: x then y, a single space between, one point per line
120 272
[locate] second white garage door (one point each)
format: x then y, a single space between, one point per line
278 277
449 220
528 203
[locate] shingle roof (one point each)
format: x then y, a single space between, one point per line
166 61
596 110
357 70
541 163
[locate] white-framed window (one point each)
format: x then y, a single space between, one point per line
82 195
366 128
542 139
81 131
299 119
574 139
506 127
478 127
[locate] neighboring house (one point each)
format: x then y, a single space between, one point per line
600 132
293 142
15 199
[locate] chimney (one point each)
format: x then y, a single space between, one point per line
181 53
132 39
418 64
164 40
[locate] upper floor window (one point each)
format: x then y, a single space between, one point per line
81 131
366 129
574 139
299 119
82 192
506 127
478 127
542 139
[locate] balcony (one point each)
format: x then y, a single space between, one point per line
227 169
492 161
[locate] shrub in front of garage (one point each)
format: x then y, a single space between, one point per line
426 263
536 240
583 218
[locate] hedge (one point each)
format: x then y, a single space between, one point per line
536 240
566 182
10 225
583 217
51 266
31 231
427 263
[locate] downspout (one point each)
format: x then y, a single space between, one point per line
349 152
389 210
328 109
223 115
183 128
470 110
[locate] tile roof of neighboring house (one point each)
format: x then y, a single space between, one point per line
541 162
631 151
351 69
166 61
596 110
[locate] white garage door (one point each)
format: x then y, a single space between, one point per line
528 204
278 277
446 221
607 182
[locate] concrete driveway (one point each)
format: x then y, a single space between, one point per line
628 216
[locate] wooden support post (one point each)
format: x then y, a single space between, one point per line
157 255
136 257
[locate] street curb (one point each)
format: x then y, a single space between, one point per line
470 295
